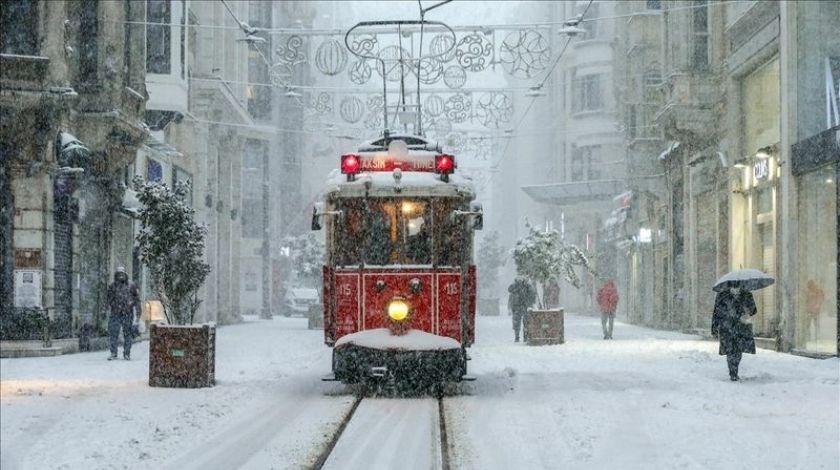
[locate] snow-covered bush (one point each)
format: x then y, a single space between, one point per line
544 257
171 246
491 256
308 253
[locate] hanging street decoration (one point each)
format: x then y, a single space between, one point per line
494 109
360 72
473 52
322 103
524 53
290 53
397 63
431 70
351 109
434 105
442 48
458 108
454 77
331 57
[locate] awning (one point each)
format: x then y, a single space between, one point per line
71 152
130 203
575 192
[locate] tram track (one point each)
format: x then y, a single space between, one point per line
401 432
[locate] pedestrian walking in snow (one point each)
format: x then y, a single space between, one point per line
123 299
732 325
607 298
521 296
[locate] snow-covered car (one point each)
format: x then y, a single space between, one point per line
298 299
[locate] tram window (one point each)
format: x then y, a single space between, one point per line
379 233
350 234
449 233
416 232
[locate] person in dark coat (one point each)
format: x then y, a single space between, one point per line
607 298
522 295
732 325
123 299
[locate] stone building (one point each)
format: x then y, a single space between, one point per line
577 169
72 98
212 98
748 112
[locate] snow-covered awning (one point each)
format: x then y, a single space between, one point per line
130 203
72 152
574 192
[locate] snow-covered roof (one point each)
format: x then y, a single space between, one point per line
413 340
575 192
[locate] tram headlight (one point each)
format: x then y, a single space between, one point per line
398 309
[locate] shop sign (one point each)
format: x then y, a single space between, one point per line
27 288
27 258
761 169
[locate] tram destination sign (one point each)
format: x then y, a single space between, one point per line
387 162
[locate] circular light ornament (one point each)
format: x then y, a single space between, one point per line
398 309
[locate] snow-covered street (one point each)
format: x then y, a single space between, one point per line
648 399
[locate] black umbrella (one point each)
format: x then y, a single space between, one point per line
747 279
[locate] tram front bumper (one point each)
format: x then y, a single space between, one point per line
353 364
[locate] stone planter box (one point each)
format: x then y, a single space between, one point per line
316 317
544 327
488 307
182 356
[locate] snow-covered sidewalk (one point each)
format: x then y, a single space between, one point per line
648 399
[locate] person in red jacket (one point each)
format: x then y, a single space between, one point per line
607 301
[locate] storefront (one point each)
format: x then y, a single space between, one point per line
754 205
816 169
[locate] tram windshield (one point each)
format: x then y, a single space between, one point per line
391 231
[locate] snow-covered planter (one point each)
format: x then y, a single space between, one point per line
171 247
544 326
182 356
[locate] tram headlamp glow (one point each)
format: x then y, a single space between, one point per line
398 309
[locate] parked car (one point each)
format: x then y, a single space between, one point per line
298 299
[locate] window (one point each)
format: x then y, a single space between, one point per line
253 203
259 97
699 52
158 32
154 171
588 93
585 163
19 34
183 38
398 231
88 41
653 4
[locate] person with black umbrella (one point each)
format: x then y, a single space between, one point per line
733 312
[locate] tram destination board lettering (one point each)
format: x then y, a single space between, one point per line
383 163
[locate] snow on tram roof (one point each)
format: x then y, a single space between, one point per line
413 340
412 183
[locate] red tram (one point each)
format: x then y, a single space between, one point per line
399 278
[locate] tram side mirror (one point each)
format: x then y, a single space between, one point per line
316 215
478 215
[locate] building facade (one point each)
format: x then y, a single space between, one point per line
72 98
748 109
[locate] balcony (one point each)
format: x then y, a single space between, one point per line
689 104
